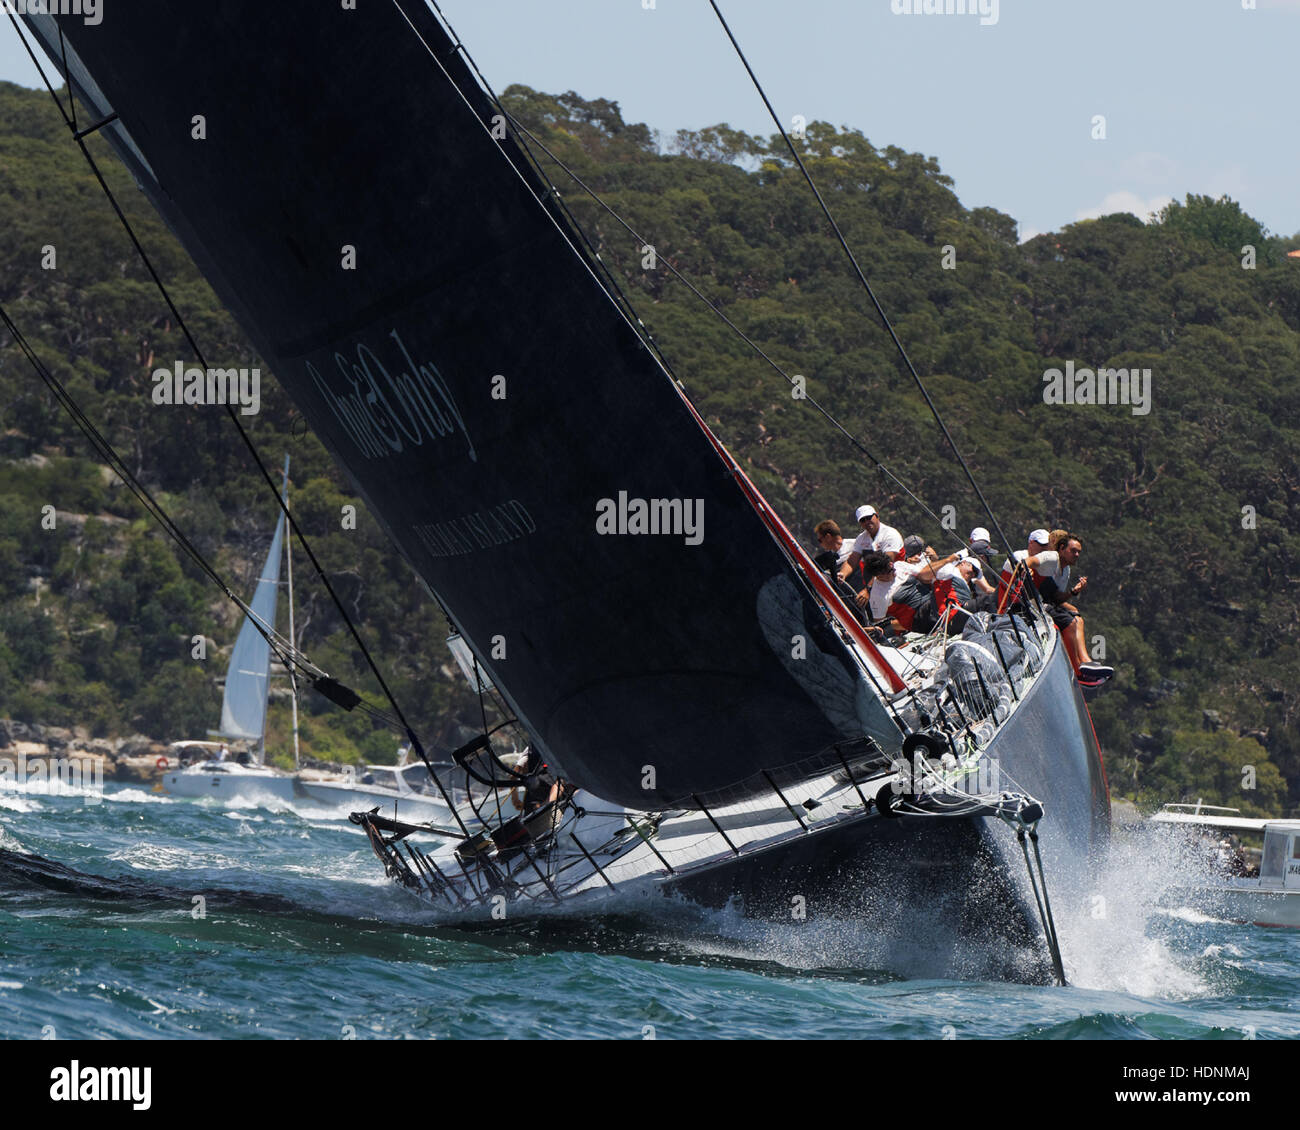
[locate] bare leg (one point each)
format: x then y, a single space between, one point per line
1075 646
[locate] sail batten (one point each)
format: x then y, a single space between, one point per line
490 402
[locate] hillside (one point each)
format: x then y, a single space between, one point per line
1187 511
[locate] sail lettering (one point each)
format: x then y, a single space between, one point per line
483 529
384 410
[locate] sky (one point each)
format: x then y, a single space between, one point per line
1198 96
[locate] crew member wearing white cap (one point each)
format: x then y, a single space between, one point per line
981 546
1007 595
876 537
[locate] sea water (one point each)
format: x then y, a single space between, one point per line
151 916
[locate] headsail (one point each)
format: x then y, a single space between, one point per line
248 678
393 257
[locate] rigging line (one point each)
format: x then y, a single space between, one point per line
63 50
459 46
287 659
826 414
278 644
286 655
105 449
862 278
616 288
230 411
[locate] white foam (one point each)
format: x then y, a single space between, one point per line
1226 948
137 796
1104 935
158 857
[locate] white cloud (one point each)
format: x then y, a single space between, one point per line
1125 201
1150 169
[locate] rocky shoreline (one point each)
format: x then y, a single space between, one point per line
137 759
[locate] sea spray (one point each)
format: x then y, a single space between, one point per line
1107 936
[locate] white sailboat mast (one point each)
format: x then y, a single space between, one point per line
293 639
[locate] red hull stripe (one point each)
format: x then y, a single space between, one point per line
829 596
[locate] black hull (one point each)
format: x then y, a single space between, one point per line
933 893
953 892
935 896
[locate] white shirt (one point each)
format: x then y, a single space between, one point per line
1049 567
887 540
882 592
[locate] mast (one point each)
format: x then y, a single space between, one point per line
293 639
661 644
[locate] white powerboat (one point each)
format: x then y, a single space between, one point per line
404 789
1266 896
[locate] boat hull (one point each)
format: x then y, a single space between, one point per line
230 786
1048 749
411 807
1245 902
941 892
928 897
960 883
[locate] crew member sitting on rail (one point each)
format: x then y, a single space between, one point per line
876 537
1051 570
1010 594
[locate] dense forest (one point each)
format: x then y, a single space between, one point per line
1188 511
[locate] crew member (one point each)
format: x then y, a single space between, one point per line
1051 569
875 537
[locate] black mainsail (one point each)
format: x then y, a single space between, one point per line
340 179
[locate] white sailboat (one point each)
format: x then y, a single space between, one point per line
243 706
245 777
